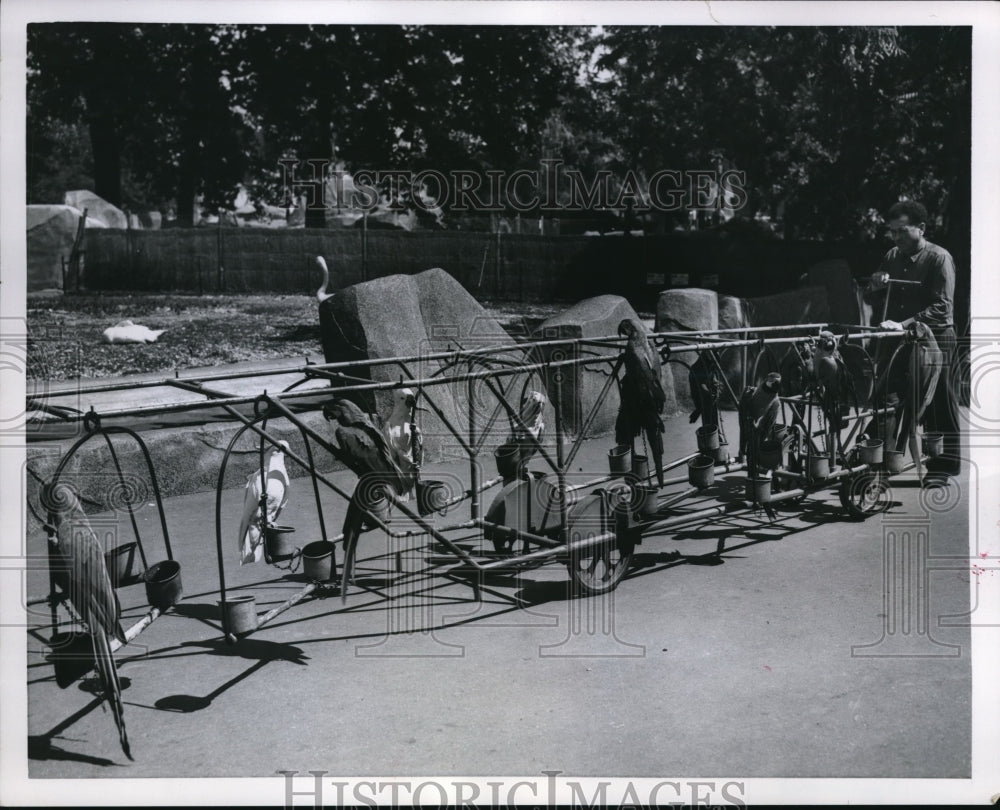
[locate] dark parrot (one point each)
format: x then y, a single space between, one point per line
759 409
706 388
78 553
832 379
924 364
642 396
363 449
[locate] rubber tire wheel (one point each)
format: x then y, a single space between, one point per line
864 495
600 568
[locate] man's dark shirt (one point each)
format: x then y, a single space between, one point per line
933 301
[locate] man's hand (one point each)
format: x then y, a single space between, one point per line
894 326
879 279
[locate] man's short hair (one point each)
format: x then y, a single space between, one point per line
911 209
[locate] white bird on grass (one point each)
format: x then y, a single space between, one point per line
276 489
128 332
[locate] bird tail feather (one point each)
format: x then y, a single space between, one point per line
352 531
108 672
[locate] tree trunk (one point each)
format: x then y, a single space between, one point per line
106 149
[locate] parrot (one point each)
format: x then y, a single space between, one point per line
276 488
404 438
758 409
642 395
364 449
77 550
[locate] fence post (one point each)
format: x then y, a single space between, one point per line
221 279
364 246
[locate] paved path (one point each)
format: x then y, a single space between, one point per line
736 646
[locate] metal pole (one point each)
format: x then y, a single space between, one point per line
473 451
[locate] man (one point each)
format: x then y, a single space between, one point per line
931 302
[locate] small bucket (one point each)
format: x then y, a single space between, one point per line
119 561
819 467
618 461
640 468
432 496
163 584
759 490
895 460
871 451
720 454
645 502
241 614
317 560
701 471
770 454
279 542
933 444
708 437
507 458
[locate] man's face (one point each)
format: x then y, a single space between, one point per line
906 236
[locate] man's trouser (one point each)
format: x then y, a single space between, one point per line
943 414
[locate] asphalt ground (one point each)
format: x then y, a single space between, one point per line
810 646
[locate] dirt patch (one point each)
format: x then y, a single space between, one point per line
210 330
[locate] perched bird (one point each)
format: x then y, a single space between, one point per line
706 387
521 443
268 496
78 552
925 361
758 409
128 332
832 380
642 396
404 437
321 293
363 449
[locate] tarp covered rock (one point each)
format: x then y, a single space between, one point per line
581 388
51 230
96 208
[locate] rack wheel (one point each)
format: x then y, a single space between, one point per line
864 494
600 568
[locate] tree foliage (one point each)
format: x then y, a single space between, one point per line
829 124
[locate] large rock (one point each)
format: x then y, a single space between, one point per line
834 275
580 388
453 319
382 318
732 315
96 208
687 310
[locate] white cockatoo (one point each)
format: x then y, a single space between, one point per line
128 332
404 437
276 488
